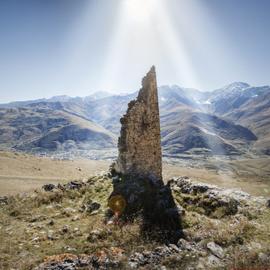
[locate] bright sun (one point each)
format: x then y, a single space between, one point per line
139 10
145 33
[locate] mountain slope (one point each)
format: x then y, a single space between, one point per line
43 128
186 125
256 116
231 120
234 96
187 130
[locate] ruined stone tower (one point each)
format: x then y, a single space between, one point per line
139 142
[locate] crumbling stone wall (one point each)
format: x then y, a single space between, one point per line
139 142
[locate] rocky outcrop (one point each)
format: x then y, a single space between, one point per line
211 200
100 260
139 143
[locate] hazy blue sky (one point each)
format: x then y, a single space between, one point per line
76 47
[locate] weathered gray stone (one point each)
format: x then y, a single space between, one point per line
215 249
139 142
184 245
137 173
213 261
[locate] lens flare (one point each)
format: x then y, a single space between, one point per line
117 204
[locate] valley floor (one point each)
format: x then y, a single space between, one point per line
21 172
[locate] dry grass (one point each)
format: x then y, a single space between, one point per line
40 224
33 226
21 173
250 175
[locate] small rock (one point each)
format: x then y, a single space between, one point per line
73 185
75 218
3 200
136 260
90 207
139 256
68 211
50 235
65 229
133 265
51 222
264 258
95 235
35 239
49 187
174 247
215 249
77 232
213 261
184 245
93 206
70 249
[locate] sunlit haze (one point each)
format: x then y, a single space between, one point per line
66 47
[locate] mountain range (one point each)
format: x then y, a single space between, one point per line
232 120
